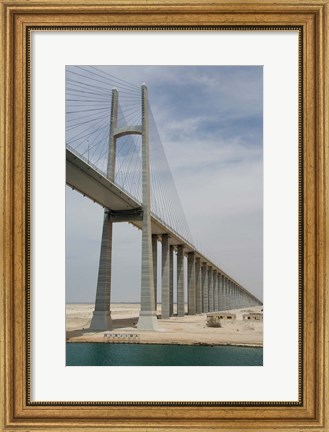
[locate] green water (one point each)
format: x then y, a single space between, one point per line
106 354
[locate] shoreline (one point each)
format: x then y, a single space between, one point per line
72 340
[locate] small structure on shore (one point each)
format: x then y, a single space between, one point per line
253 316
122 337
215 319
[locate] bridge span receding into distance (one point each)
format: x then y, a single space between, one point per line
209 287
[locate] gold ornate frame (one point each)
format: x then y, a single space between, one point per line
312 410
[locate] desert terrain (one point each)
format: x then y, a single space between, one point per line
187 330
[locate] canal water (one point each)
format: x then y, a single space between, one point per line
107 354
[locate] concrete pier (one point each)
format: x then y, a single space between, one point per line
180 281
165 297
191 293
198 287
215 283
230 287
171 281
210 290
225 300
221 298
204 283
101 319
229 292
155 268
220 292
233 295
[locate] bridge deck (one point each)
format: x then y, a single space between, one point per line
92 183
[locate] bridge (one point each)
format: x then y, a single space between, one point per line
114 156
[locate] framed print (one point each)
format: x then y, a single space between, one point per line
131 132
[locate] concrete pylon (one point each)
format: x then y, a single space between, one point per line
198 287
101 319
171 280
210 290
238 296
180 281
204 283
215 284
220 292
165 288
191 293
147 316
155 268
225 303
229 295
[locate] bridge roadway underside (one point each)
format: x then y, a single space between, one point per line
91 183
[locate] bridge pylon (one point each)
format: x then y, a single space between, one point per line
101 319
147 317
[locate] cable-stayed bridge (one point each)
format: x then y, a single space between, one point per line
114 155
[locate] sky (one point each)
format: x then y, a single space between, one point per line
210 120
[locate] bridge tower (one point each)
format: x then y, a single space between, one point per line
101 319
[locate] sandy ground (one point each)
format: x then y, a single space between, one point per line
189 330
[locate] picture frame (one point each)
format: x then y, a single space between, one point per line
311 412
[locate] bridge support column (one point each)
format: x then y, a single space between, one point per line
198 287
204 282
165 295
155 268
220 292
191 284
244 303
239 297
147 317
171 281
101 319
225 293
215 283
229 294
180 281
210 290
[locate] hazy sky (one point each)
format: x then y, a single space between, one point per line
210 120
